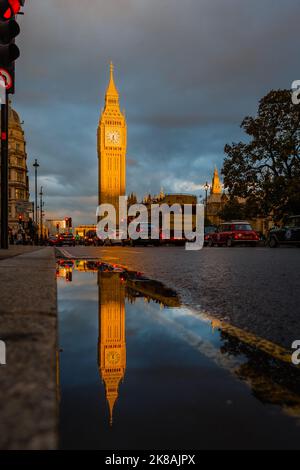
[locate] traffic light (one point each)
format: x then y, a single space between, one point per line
9 30
68 222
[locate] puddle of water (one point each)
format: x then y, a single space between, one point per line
140 371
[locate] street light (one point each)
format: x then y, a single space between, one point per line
36 166
206 188
41 211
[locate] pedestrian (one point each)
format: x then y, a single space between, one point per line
19 240
11 237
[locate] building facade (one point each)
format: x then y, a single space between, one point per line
55 226
170 200
112 146
18 184
82 230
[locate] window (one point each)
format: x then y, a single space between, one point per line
20 194
20 178
245 227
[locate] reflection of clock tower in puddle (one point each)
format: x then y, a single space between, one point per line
112 346
112 143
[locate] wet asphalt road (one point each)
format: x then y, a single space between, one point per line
256 289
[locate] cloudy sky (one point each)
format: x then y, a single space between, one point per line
187 72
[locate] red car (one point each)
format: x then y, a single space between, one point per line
66 239
233 233
53 240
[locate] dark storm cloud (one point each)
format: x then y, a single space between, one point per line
187 72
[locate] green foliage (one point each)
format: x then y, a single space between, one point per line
266 170
233 210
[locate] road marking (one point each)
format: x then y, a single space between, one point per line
264 345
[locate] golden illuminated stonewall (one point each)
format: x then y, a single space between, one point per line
112 145
18 183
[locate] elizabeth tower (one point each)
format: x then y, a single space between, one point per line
112 145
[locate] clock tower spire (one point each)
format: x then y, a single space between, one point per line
112 92
112 147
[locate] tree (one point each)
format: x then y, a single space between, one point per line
233 210
266 170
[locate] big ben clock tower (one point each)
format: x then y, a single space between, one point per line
112 145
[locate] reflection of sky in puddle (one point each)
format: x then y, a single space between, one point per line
169 379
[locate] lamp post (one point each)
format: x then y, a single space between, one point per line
206 187
41 212
36 166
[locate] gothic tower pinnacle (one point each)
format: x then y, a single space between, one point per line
216 187
112 92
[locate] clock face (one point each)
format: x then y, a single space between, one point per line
112 358
112 138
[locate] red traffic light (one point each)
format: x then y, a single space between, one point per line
7 14
9 8
6 11
15 6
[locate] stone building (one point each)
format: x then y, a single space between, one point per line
18 184
174 200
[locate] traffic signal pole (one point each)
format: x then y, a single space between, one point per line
9 52
4 174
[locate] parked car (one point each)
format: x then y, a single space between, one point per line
233 233
117 237
66 239
91 239
207 231
171 238
287 235
53 240
146 230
